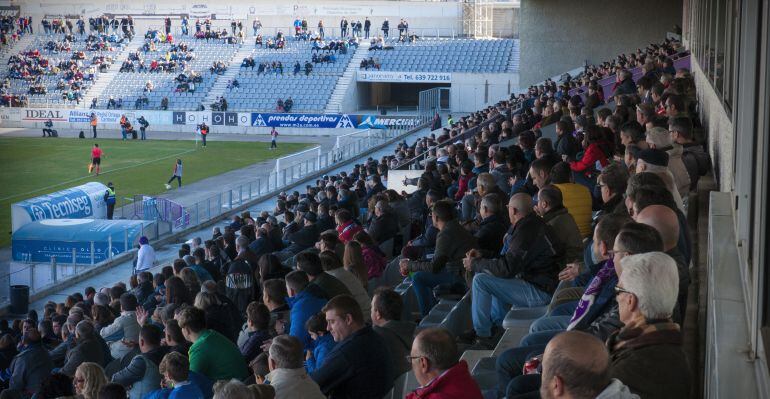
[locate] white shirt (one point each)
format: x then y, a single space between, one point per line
145 257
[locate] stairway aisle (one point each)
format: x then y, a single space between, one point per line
348 78
233 66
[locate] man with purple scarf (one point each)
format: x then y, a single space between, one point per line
596 312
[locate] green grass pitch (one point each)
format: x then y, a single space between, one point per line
37 166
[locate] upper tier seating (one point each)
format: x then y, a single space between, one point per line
260 91
42 63
447 55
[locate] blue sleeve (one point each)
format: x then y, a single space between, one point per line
297 329
162 393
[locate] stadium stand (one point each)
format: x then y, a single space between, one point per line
180 72
58 69
445 55
469 254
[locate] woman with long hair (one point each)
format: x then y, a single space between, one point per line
177 292
89 379
102 316
191 280
353 261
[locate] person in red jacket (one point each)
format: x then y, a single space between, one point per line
436 365
466 174
595 150
347 228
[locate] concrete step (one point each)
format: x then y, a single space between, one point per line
334 104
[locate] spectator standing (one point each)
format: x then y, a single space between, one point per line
321 28
145 257
94 121
211 353
438 368
204 131
143 125
386 28
256 25
367 27
360 365
109 197
273 137
177 175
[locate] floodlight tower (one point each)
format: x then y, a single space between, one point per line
477 18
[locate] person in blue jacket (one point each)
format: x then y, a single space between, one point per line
176 379
304 301
323 342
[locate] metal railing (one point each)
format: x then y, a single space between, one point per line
329 32
285 176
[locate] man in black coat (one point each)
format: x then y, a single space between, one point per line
360 365
384 226
262 244
525 276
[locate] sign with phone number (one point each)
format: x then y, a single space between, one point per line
404 77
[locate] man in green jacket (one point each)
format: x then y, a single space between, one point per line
211 353
452 242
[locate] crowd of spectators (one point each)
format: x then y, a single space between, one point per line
12 29
74 60
286 303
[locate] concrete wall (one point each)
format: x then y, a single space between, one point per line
471 92
558 35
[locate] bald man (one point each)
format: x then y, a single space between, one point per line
666 222
524 276
577 365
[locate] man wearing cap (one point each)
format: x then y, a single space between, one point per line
109 199
145 257
660 138
656 161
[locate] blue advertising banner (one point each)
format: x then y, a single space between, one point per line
384 122
39 241
326 121
73 203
